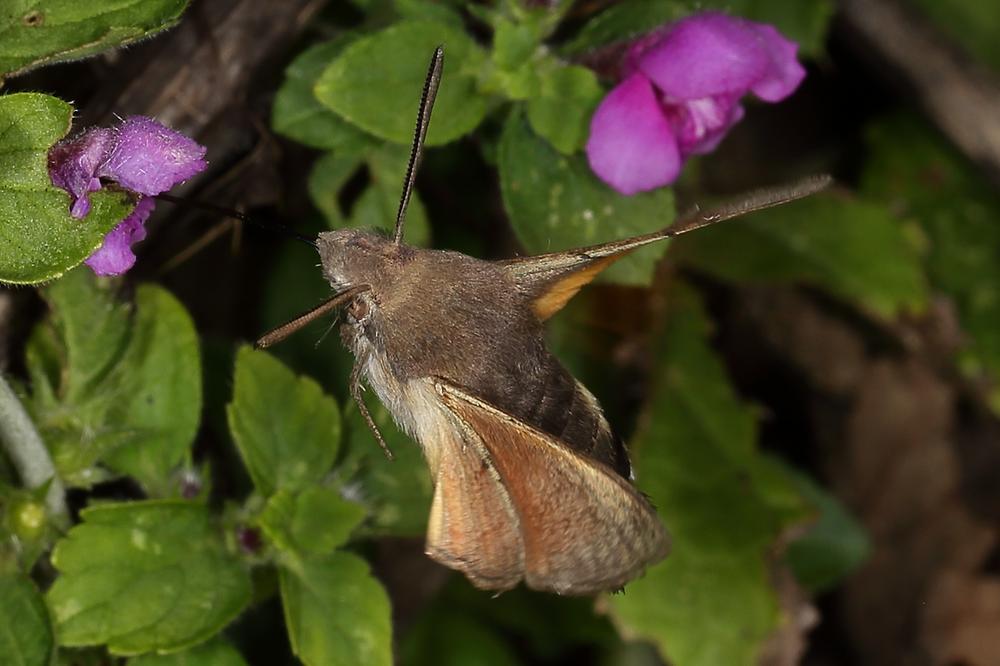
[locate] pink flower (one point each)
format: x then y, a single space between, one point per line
681 94
141 155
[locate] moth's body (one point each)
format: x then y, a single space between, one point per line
529 482
437 332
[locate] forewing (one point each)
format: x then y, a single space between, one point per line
550 280
584 528
473 526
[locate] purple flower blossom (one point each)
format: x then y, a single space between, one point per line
141 155
115 256
681 94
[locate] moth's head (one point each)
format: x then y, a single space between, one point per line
352 257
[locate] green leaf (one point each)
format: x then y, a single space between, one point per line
833 547
114 389
39 239
71 359
92 326
286 428
376 207
926 180
433 10
336 612
316 520
710 601
514 43
299 115
145 576
397 492
555 203
624 21
849 247
561 110
25 632
159 389
516 55
38 32
329 175
371 81
213 653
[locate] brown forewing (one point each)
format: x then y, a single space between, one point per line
473 526
584 529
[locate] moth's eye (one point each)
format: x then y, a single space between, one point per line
358 309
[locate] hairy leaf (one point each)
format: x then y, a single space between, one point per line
107 387
299 115
286 428
216 652
159 389
37 32
25 633
337 613
316 520
560 111
144 576
372 79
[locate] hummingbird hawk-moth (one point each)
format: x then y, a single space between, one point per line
530 484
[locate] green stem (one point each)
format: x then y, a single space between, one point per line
21 441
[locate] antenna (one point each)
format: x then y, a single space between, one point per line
276 335
419 134
236 215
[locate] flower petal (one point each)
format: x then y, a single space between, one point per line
73 166
149 158
116 256
631 146
700 124
707 54
784 72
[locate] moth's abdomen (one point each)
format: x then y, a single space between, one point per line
550 399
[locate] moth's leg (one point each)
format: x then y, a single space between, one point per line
356 389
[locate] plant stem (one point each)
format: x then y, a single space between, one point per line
21 441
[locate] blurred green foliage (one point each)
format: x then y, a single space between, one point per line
925 181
